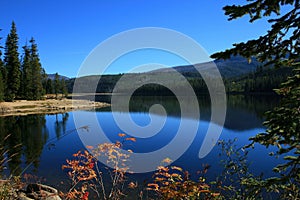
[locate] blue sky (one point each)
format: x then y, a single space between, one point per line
66 31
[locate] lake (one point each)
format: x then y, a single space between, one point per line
46 141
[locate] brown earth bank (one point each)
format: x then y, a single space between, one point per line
48 106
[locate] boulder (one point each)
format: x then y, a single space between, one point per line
39 191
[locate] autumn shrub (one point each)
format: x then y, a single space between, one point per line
87 175
172 182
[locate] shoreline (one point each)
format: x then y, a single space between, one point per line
48 106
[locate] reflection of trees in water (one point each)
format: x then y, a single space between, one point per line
61 124
13 144
257 104
243 111
247 112
34 137
28 135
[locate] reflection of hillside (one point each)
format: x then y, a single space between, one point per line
243 112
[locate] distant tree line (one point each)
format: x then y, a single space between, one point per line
24 77
56 86
261 81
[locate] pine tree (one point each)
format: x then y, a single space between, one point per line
36 71
49 86
12 64
63 86
26 86
2 86
56 85
44 81
280 47
3 74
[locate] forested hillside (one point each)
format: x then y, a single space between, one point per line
238 74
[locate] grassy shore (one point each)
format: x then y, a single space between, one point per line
48 106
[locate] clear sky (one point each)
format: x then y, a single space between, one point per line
67 30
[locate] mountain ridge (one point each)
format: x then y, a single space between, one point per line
229 68
52 77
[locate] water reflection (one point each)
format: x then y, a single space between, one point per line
240 108
61 124
27 137
38 140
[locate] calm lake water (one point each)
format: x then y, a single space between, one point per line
48 140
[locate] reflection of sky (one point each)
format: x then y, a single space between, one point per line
259 156
168 131
52 158
143 144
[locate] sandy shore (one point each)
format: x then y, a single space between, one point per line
49 106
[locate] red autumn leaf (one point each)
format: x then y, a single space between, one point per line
91 165
156 186
131 139
121 134
85 196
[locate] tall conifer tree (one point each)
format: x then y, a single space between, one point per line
2 86
36 70
26 86
12 64
56 85
64 89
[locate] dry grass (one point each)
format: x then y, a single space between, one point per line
23 107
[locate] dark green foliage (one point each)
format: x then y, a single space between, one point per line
26 91
56 85
233 67
261 81
36 72
12 64
49 86
32 74
103 84
20 79
1 87
239 77
2 81
280 47
63 88
283 128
